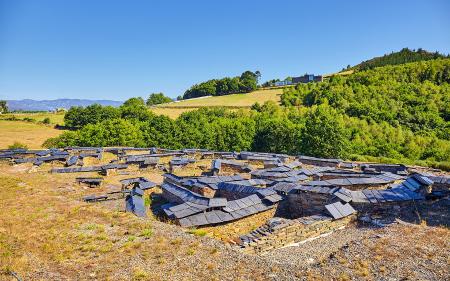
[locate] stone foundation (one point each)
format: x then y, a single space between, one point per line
308 203
285 232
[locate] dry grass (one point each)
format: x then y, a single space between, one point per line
172 113
31 134
235 102
342 73
48 233
55 118
407 252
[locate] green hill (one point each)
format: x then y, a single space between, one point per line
414 95
403 56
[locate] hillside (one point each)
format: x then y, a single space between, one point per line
234 101
403 56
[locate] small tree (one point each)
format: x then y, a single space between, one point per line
3 106
157 98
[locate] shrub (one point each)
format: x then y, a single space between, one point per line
28 119
18 145
46 120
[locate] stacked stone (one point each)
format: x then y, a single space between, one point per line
287 232
308 203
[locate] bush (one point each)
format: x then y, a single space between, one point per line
28 119
46 121
18 145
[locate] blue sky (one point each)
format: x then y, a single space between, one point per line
119 49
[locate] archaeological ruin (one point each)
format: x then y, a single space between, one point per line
309 196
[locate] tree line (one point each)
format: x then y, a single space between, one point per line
403 56
247 82
319 130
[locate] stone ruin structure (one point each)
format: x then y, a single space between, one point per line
311 196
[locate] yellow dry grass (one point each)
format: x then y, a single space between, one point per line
31 134
48 233
55 118
235 101
172 112
342 73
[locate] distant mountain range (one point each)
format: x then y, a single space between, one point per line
45 105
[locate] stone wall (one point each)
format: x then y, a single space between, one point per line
385 208
229 170
308 203
204 190
294 231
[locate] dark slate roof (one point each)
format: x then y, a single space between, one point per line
374 180
338 210
168 177
264 193
314 189
251 182
284 187
218 179
440 179
144 158
89 180
186 195
309 158
184 210
291 179
315 170
72 160
281 173
135 203
89 169
406 191
393 168
94 198
143 183
234 210
181 161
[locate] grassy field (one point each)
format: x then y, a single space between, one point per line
31 134
55 118
235 101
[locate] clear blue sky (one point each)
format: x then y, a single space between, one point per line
118 49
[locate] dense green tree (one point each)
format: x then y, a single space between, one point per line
78 117
247 82
157 98
113 132
405 55
277 135
135 109
324 134
160 131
